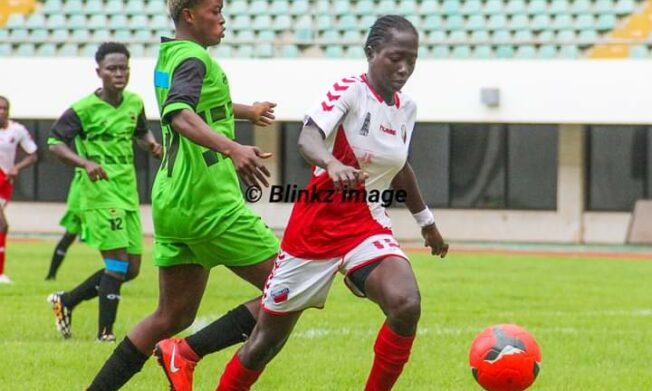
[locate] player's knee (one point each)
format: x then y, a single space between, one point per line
406 309
4 227
262 347
133 272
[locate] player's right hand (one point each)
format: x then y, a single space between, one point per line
345 177
248 163
95 171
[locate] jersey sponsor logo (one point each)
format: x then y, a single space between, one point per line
388 130
280 295
365 125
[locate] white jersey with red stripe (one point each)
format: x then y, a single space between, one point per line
364 132
11 137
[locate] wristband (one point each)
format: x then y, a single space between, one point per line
424 218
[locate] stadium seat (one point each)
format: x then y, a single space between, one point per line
352 37
461 52
363 7
625 7
429 7
482 52
638 51
406 7
537 7
520 22
494 7
73 7
605 22
561 22
80 36
94 7
39 35
122 36
299 7
290 51
5 50
304 35
102 35
546 36
347 22
569 51
223 51
68 50
245 51
245 36
440 51
139 22
240 22
282 22
481 36
56 22
581 7
334 51
476 22
433 22
323 7
504 51
46 49
156 7
386 7
35 21
584 22
524 36
451 7
588 37
497 22
119 22
279 7
558 7
262 22
258 7
353 51
330 37
502 36
458 37
437 36
25 50
455 22
526 52
547 51
97 22
144 35
472 7
59 35
266 36
19 34
415 19
566 36
516 7
137 50
264 50
604 7
114 7
160 22
134 7
237 7
163 33
540 22
16 21
52 6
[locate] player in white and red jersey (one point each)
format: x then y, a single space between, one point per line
12 135
358 138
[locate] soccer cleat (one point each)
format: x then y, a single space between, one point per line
62 315
4 279
178 369
108 337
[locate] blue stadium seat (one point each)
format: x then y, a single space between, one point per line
160 22
266 36
604 7
46 49
437 36
144 35
114 7
279 7
236 7
638 51
547 51
258 7
264 50
26 50
347 22
299 7
246 36
540 22
520 22
605 22
363 7
504 51
471 7
433 22
585 22
156 7
39 35
386 7
494 7
119 22
239 22
73 7
588 36
52 6
80 36
334 51
122 36
625 7
497 22
569 51
558 7
440 51
262 22
245 51
562 22
406 7
546 36
19 34
476 22
134 7
526 52
139 22
330 37
415 19
429 7
323 7
461 52
458 37
516 7
455 22
60 36
481 36
137 50
5 50
536 7
96 22
482 52
451 7
352 37
502 36
524 36
304 35
16 21
282 22
353 51
56 22
566 36
290 51
35 21
68 50
223 51
581 7
94 7
102 35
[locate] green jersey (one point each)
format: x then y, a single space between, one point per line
196 193
104 134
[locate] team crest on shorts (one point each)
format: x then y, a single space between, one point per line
280 295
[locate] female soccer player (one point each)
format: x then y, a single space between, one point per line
104 125
358 135
12 135
200 217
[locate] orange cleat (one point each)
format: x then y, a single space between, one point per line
178 369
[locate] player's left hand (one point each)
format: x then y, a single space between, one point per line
262 113
434 240
13 172
157 150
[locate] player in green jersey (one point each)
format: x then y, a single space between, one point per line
105 123
200 217
71 221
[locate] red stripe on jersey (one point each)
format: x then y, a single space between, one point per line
347 80
397 100
326 106
338 87
377 95
332 97
321 230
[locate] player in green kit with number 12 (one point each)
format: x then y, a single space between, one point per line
200 217
103 125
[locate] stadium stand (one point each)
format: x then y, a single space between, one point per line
460 29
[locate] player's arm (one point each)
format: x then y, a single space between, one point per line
29 147
145 138
179 111
62 134
260 113
406 180
313 150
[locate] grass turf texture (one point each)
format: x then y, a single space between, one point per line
592 318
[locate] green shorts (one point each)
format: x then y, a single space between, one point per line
247 241
71 221
112 228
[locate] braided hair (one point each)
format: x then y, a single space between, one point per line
380 31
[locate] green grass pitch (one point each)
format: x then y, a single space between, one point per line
592 318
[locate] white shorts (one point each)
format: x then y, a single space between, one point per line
296 284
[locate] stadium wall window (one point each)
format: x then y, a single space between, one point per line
295 170
618 165
430 158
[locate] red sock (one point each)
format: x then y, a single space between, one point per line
186 351
236 377
3 240
392 352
